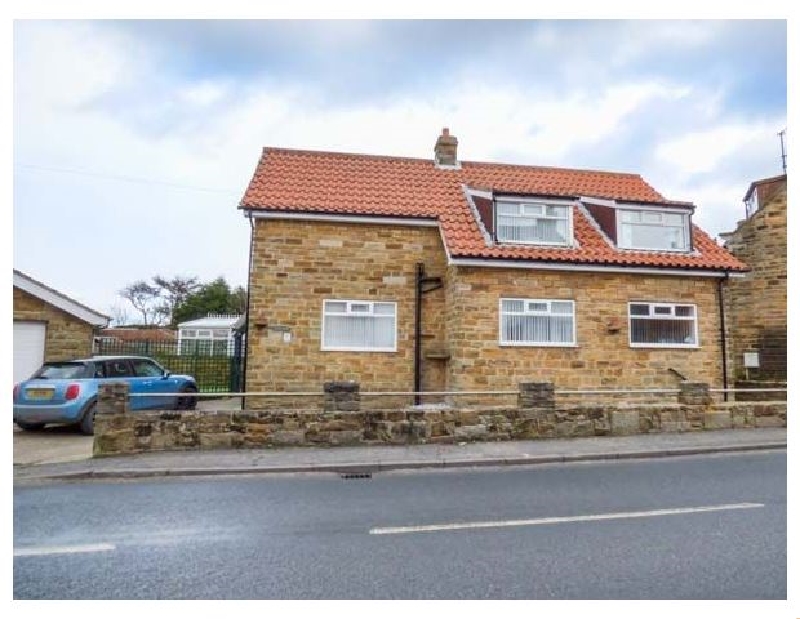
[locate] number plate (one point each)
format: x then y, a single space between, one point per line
39 394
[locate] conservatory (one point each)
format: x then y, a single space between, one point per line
213 335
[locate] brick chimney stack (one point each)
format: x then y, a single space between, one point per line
445 151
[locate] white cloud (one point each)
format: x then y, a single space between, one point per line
209 133
702 151
636 37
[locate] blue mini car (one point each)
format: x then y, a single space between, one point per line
65 392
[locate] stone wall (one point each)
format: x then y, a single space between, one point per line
602 357
119 431
297 265
760 396
66 337
756 304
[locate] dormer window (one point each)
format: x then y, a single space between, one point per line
653 230
534 223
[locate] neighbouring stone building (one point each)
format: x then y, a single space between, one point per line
411 274
756 304
49 326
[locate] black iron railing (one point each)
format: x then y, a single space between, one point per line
212 372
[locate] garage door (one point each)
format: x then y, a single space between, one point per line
28 349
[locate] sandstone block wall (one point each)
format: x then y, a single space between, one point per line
297 265
756 304
602 357
144 431
66 337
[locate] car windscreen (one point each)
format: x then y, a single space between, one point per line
63 370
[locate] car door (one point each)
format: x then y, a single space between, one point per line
119 370
149 378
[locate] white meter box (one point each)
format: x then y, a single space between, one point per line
751 360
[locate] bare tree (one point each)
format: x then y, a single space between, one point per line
173 292
145 299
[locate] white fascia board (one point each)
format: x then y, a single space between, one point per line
60 301
479 193
511 264
534 198
349 219
598 201
663 208
474 209
211 323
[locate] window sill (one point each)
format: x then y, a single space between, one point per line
656 250
536 244
358 349
535 345
683 346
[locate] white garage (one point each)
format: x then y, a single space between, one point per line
28 348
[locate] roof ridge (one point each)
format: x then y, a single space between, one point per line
306 151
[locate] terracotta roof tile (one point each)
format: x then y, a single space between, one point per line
375 185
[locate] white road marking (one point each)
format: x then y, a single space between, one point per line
560 519
37 551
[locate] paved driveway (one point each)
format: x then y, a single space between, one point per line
63 444
51 445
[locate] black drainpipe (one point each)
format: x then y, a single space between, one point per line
419 290
247 309
722 334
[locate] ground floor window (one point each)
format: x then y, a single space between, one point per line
664 325
359 326
537 322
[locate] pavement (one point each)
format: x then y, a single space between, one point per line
59 444
364 460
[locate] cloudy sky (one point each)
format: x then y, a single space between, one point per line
134 140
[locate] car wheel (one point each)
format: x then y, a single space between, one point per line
30 427
87 421
186 402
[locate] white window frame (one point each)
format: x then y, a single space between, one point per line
526 312
687 228
349 312
212 335
520 204
751 206
658 304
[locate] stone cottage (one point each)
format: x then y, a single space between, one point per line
440 274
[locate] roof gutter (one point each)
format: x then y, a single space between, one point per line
549 266
429 222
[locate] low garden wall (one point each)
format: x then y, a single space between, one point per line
758 396
536 416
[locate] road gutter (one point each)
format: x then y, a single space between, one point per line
378 466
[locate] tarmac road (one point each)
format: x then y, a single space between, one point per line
699 527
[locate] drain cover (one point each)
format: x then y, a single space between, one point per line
361 475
